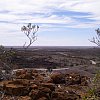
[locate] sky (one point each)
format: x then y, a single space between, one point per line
61 22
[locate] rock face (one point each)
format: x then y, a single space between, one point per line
34 85
17 87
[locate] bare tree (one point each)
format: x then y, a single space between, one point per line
30 31
96 39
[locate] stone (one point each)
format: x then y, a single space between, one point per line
33 86
16 90
51 86
43 98
76 79
40 92
17 87
24 98
58 78
65 96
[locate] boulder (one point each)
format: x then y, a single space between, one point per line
44 90
11 89
68 95
58 78
19 72
17 87
39 93
51 86
76 79
25 76
33 86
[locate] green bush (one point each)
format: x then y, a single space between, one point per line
92 93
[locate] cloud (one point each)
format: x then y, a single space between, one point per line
88 6
43 11
50 15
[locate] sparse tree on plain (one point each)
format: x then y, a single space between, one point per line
30 31
96 39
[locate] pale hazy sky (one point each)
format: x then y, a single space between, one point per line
62 22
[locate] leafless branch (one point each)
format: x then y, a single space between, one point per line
96 39
30 31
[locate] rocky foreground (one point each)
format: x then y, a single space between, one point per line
68 74
43 85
